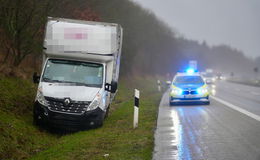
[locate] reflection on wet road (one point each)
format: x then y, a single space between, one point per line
202 132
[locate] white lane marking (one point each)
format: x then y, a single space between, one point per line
255 93
252 115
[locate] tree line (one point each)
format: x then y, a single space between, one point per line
149 47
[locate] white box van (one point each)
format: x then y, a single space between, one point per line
80 73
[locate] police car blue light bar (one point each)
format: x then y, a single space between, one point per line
190 71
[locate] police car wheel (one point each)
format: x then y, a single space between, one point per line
173 104
207 103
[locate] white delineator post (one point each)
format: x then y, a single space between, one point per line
136 108
159 85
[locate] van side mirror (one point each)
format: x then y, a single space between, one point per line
111 87
36 78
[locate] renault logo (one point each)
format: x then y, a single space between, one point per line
66 102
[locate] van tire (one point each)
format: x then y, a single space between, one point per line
36 121
107 112
99 122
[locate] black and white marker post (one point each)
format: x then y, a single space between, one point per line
159 85
136 108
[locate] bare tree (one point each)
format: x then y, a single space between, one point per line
21 24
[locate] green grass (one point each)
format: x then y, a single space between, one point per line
19 139
116 139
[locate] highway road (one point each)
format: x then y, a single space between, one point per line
227 129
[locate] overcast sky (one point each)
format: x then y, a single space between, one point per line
232 22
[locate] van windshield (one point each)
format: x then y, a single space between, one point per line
188 80
73 72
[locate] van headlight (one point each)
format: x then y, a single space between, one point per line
95 103
202 90
40 98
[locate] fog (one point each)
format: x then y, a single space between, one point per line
231 22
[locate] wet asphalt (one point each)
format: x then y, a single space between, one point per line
210 132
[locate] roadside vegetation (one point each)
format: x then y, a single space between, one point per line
250 82
150 46
20 139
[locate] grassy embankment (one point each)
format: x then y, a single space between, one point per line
19 139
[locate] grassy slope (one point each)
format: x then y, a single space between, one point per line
116 138
19 139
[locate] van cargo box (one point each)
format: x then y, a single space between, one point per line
82 39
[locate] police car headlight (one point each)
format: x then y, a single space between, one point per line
40 98
202 90
176 91
95 103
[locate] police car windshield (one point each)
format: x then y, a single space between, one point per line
188 80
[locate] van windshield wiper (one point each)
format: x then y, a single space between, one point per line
50 80
78 83
59 81
84 84
74 83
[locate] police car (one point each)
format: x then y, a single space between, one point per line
189 87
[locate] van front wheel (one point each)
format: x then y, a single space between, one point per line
107 112
36 121
36 117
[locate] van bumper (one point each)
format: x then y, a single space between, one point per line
68 121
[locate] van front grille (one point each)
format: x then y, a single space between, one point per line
59 105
